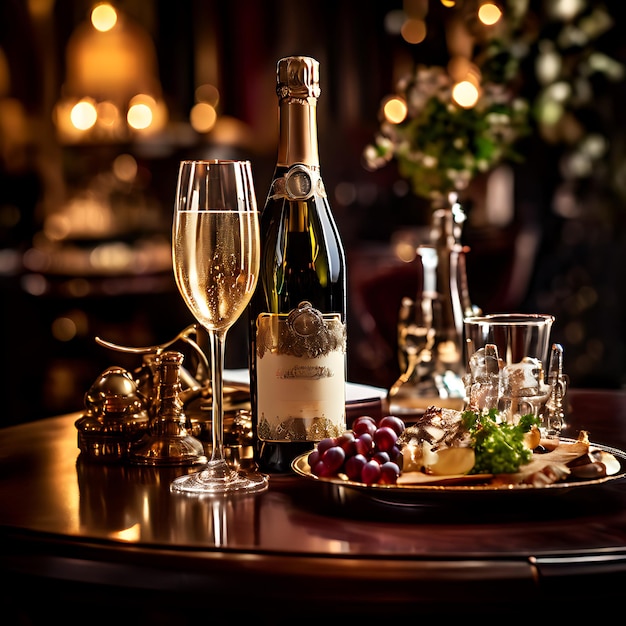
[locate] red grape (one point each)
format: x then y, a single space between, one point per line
370 473
381 457
354 466
320 469
347 442
333 458
364 424
394 423
385 438
389 473
395 456
364 444
324 444
313 458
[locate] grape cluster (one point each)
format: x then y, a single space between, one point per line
367 454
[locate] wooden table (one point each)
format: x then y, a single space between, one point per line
112 542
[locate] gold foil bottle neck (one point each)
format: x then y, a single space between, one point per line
298 77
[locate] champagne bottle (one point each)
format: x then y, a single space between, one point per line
298 313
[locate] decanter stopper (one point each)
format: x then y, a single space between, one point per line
168 440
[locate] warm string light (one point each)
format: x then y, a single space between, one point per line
83 115
103 17
413 29
465 94
489 13
395 110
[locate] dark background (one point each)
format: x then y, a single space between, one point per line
575 266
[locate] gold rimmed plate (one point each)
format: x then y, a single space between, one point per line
434 489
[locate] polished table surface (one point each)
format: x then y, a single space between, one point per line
115 537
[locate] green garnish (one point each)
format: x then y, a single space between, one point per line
498 447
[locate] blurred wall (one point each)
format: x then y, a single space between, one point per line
568 265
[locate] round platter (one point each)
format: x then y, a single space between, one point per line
443 491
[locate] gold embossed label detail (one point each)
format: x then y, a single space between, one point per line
304 332
298 430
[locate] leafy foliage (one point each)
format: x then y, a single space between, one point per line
498 446
441 146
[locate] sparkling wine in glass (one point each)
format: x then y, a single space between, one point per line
216 258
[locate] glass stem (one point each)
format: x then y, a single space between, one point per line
218 338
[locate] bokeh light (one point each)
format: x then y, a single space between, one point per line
489 14
208 93
395 110
142 112
203 117
413 31
139 116
83 115
103 17
125 168
465 94
108 114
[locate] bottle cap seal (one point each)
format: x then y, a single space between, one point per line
298 77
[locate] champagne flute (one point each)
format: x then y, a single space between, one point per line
216 260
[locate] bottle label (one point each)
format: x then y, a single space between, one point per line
300 364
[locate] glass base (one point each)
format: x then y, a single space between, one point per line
167 450
219 478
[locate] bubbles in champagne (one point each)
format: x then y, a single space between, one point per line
217 268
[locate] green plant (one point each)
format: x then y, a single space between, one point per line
441 146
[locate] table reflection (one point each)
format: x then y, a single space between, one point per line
132 503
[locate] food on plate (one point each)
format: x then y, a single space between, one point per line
444 441
368 453
549 467
445 446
